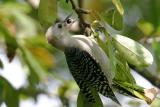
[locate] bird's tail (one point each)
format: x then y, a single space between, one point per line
106 90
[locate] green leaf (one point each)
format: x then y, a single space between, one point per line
106 46
62 94
30 91
10 95
43 56
97 7
111 54
47 12
25 25
132 86
82 101
119 6
133 52
147 95
117 62
106 50
1 64
113 18
36 71
123 71
10 42
7 9
133 89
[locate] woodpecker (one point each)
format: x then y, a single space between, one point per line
87 62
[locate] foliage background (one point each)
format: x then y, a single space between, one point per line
22 39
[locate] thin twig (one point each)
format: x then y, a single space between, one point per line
80 12
80 3
77 10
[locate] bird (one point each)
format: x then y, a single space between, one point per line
86 60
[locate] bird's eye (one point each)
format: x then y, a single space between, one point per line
59 26
69 21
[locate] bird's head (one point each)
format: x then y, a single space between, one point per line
59 30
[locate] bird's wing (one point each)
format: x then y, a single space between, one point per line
88 73
91 46
75 61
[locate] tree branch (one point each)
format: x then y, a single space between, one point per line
83 25
154 79
80 3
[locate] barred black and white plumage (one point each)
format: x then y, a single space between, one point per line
87 62
88 74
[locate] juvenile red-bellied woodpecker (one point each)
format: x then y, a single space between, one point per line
86 60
